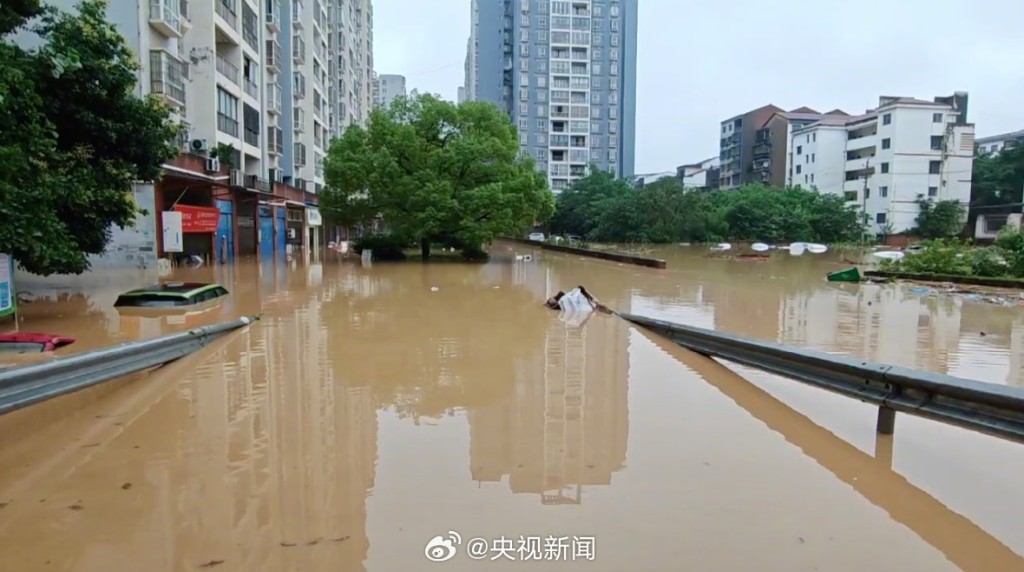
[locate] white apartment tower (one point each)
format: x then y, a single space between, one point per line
887 159
386 88
274 79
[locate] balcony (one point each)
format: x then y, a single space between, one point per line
275 140
299 120
273 56
226 10
274 98
167 78
298 51
297 16
252 137
762 150
252 89
165 17
273 16
227 125
227 69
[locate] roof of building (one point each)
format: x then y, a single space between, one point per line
1001 137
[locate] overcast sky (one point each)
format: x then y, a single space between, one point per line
701 62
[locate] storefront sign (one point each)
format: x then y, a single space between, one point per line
313 217
7 294
246 222
173 237
198 219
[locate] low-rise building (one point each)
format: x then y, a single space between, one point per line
889 158
996 143
701 175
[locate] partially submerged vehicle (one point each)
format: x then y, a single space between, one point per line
172 295
32 342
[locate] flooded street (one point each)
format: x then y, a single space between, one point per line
372 409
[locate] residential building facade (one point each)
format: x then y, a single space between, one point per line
565 72
736 146
386 88
251 82
889 158
771 143
996 143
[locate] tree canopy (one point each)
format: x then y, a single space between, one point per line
73 135
998 179
435 172
600 207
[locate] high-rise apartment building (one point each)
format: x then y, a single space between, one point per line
387 87
565 72
274 80
887 159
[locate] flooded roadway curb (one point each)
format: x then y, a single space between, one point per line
612 256
951 278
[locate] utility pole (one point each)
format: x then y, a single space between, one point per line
864 203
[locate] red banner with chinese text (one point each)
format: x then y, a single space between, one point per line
198 219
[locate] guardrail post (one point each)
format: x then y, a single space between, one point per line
886 420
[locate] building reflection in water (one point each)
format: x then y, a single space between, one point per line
892 324
566 423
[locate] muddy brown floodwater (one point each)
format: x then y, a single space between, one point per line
374 408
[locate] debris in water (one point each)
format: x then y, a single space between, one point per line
76 506
288 544
340 539
211 564
434 288
126 486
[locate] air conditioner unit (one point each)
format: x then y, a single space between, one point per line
212 165
291 232
200 146
236 178
276 175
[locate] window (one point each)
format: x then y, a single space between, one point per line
227 112
542 139
596 69
812 157
542 81
880 218
613 113
933 191
615 25
614 11
524 35
524 139
542 124
542 51
886 143
524 94
596 54
995 223
799 149
799 169
936 142
814 136
883 191
524 124
524 80
850 196
541 36
524 50
867 194
887 119
524 65
542 110
613 69
595 97
595 113
595 126
812 178
934 167
885 167
613 127
937 118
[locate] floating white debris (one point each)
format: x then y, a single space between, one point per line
797 248
889 255
434 288
720 247
759 247
815 248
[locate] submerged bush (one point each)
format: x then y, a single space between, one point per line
384 246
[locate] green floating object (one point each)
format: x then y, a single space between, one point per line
848 275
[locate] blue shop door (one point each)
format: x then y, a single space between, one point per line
225 248
282 230
266 232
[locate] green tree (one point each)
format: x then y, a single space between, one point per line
73 136
940 219
998 179
579 207
436 172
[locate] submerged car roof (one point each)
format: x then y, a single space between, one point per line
175 289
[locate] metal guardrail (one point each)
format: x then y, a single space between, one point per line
27 385
984 407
